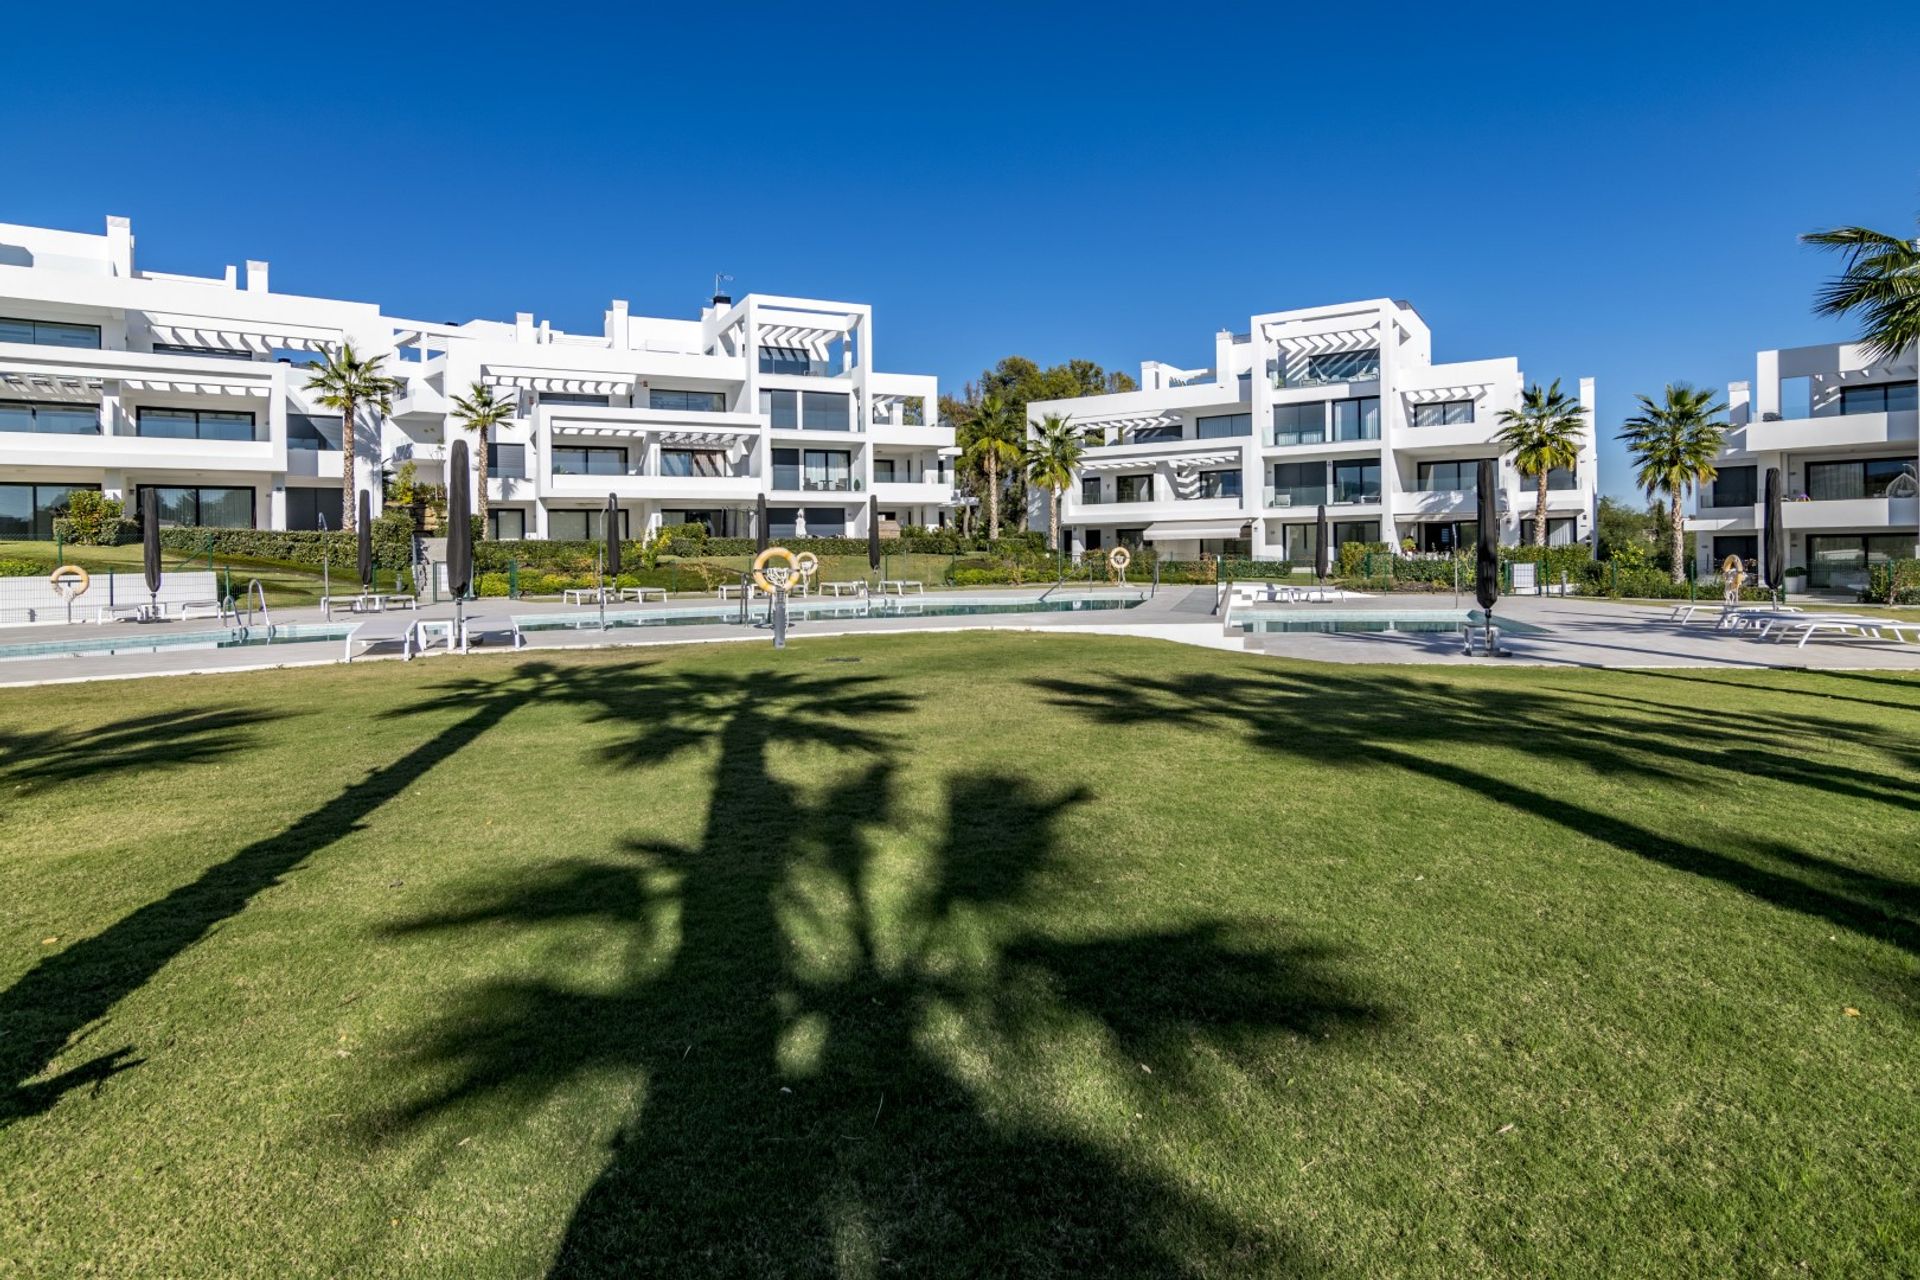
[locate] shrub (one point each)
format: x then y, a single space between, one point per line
1894 582
93 520
12 568
308 548
1238 568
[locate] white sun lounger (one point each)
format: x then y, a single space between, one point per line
1846 625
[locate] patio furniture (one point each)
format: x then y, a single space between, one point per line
640 594
1846 626
731 590
114 596
584 595
857 587
900 585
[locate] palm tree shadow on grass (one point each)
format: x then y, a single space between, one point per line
809 1117
163 740
1331 718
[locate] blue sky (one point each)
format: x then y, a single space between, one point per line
1604 190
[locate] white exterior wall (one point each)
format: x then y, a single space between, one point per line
1266 372
1795 413
52 275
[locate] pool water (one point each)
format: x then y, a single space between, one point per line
1418 621
145 641
802 611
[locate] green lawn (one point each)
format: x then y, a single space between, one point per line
287 585
1005 954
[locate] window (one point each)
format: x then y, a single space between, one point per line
305 507
1090 489
826 522
1300 423
573 397
201 508
786 468
1796 397
506 524
709 520
50 333
783 522
825 411
1133 488
1220 484
1846 561
696 462
1356 482
1744 545
1159 431
1343 366
1888 397
1345 531
1299 484
1562 480
1357 419
1297 542
49 419
1448 477
216 353
316 434
27 511
1223 426
194 424
1868 478
1090 540
1443 537
1732 487
506 461
1131 539
789 360
1447 413
1562 531
587 460
827 471
687 401
883 472
582 526
782 407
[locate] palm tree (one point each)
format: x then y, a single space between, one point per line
480 412
993 439
1880 283
1674 443
345 382
1050 459
1543 433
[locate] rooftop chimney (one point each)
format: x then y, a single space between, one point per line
256 276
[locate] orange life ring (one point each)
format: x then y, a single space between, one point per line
761 561
62 580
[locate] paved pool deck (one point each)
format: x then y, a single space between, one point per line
1572 632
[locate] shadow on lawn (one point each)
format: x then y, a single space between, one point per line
61 996
832 1085
1415 724
165 740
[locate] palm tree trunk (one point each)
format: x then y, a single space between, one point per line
480 482
1053 519
993 498
1679 539
347 442
1540 514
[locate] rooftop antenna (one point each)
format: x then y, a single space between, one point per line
720 296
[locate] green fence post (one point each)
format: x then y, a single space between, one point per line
513 578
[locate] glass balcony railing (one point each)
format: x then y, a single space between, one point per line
1296 495
792 481
1281 437
1347 492
1345 431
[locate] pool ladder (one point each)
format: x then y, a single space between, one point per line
255 589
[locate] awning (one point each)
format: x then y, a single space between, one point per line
1145 462
557 381
239 336
48 386
1188 530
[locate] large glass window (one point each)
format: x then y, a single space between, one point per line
1356 482
696 462
316 434
1222 426
27 511
506 524
786 468
1562 531
1344 366
573 397
791 360
1845 561
1345 531
1300 423
50 419
209 353
1090 489
305 506
1732 487
1220 484
582 526
1133 488
1299 484
1744 545
1462 475
1888 397
1862 478
825 411
1446 413
507 461
194 424
1157 431
50 333
1297 542
782 408
1357 419
883 470
201 507
681 401
1443 537
783 522
827 471
589 460
826 522
1562 479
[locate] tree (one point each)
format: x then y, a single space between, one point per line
1016 381
1880 284
346 382
992 439
1618 525
480 411
1543 433
1050 459
1674 444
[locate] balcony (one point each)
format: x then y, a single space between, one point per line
1351 439
1852 513
785 481
1438 502
1285 497
1833 431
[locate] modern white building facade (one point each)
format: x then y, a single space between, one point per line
1844 430
1340 405
119 378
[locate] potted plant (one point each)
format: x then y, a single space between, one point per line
1796 577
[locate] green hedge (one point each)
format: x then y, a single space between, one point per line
1895 582
392 544
11 568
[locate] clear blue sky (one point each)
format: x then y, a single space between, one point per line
1610 190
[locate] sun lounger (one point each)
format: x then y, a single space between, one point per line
857 587
900 585
1849 626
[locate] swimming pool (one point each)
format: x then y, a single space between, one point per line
800 612
1407 621
141 640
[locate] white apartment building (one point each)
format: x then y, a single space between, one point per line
1844 431
1340 405
119 378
